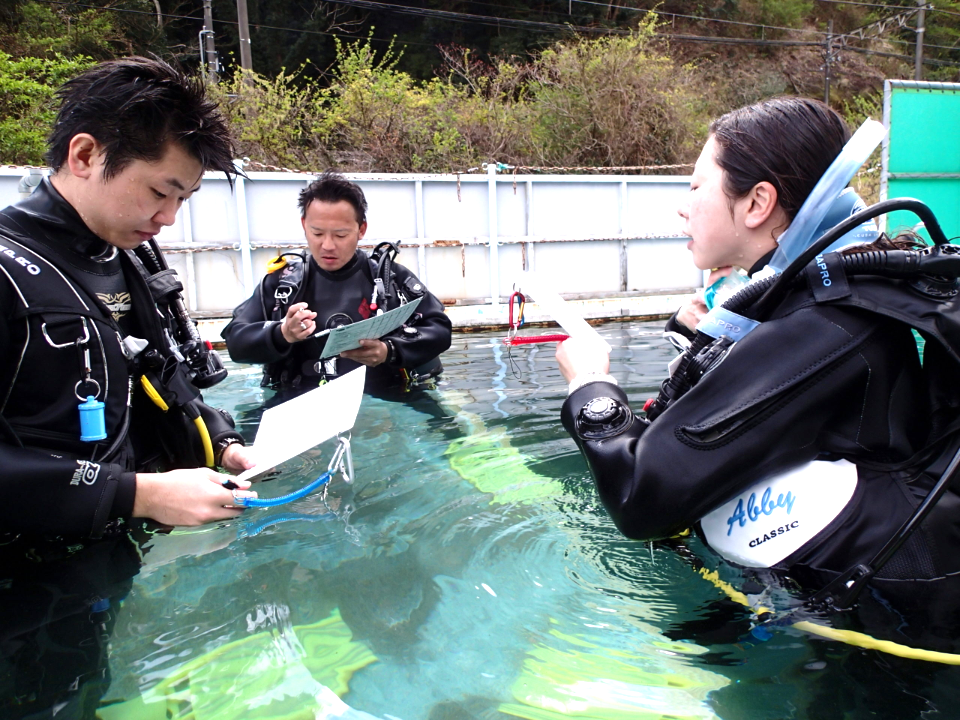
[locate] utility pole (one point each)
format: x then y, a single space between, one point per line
243 25
208 53
921 28
826 66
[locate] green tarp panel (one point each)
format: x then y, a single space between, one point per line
921 155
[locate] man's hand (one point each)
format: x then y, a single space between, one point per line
370 353
693 311
299 324
577 357
186 497
236 458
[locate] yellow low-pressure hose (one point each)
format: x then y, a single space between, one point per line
208 459
849 637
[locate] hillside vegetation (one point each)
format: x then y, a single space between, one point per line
616 87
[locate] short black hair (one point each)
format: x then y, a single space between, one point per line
134 107
332 187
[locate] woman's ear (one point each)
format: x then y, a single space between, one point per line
761 205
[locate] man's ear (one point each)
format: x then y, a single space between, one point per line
83 155
363 229
303 223
761 204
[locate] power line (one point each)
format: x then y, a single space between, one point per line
472 18
498 21
226 22
698 17
888 7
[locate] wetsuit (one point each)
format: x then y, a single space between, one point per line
67 301
339 298
814 382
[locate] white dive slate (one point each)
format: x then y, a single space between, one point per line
304 422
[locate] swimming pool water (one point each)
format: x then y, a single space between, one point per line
468 573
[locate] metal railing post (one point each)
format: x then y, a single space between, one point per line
187 221
421 232
492 221
622 210
243 225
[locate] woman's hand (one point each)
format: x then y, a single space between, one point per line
577 357
692 312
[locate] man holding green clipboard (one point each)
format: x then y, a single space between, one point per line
304 300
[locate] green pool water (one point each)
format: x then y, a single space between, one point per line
468 573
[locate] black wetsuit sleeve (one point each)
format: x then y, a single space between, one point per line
778 399
47 494
434 330
251 336
219 424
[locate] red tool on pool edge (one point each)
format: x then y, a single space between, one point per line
512 338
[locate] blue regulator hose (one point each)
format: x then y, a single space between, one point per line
289 497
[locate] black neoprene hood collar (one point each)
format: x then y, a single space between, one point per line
61 222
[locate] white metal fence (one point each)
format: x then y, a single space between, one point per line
466 237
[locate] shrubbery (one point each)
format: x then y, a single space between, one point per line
27 103
612 101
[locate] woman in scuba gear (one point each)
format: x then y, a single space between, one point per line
807 440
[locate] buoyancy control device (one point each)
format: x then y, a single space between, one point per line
920 288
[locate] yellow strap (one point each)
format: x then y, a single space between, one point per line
850 637
153 394
205 439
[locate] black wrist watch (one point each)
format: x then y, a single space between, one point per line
221 448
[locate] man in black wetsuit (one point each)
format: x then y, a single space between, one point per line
87 318
336 284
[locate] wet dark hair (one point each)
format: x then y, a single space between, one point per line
134 107
786 141
332 187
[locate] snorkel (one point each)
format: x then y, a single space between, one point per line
831 202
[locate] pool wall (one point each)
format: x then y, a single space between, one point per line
612 243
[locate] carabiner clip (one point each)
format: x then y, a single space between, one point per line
79 341
342 460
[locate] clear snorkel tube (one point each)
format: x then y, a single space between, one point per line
807 225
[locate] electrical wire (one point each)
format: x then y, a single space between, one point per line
227 22
542 26
664 13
